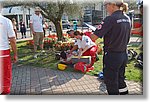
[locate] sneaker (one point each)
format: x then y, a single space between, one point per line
101 75
43 51
35 56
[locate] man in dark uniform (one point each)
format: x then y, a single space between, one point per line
116 30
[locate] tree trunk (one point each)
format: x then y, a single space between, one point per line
59 31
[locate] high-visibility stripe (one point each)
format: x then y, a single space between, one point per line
123 89
4 56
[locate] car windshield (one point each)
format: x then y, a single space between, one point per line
64 22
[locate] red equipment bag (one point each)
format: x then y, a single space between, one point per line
80 66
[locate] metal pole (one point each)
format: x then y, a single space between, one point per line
29 22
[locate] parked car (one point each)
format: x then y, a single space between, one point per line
66 24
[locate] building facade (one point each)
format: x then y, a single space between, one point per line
94 14
19 13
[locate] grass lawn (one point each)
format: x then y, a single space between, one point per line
48 60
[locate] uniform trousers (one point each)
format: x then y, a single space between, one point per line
114 71
6 71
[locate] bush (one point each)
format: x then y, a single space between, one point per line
51 42
63 46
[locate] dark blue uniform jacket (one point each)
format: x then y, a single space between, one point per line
116 32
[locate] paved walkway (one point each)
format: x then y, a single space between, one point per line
29 80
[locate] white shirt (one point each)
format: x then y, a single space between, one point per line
6 32
86 41
36 20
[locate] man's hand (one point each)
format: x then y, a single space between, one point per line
33 32
80 54
31 27
14 48
15 59
94 37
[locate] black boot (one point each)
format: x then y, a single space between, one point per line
124 93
